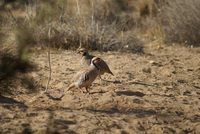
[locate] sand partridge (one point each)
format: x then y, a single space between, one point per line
85 77
86 60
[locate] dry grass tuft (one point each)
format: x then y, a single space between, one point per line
107 25
77 22
181 21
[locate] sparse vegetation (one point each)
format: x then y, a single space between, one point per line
181 21
72 26
98 25
155 87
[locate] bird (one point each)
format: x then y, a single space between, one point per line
86 57
86 60
85 77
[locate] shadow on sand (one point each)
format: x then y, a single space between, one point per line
5 101
139 112
130 93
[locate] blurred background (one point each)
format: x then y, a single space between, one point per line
151 46
103 25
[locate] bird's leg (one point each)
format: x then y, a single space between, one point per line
102 81
100 77
87 91
82 90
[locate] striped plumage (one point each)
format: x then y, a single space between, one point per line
86 60
85 78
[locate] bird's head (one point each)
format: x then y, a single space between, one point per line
82 51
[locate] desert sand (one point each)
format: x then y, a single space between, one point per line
155 92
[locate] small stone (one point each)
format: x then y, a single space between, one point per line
181 81
152 62
187 93
169 87
147 70
155 63
190 69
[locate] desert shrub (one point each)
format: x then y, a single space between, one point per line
14 61
24 40
11 64
180 20
1 33
74 23
14 71
12 4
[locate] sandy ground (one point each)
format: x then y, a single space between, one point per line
156 92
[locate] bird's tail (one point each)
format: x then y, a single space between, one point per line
71 86
110 72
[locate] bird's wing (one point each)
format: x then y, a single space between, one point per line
103 65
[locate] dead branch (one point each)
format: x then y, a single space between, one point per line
78 8
49 60
142 83
49 77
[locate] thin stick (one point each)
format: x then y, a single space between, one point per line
142 83
78 9
80 43
92 13
49 78
97 28
122 36
49 60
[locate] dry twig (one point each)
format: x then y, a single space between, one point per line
49 60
